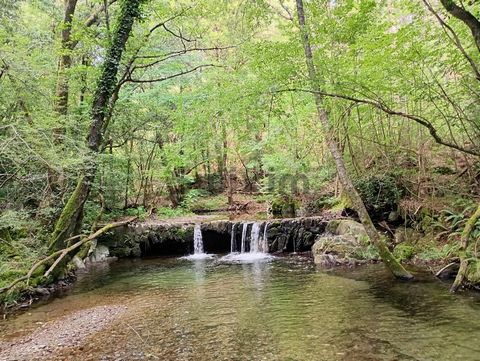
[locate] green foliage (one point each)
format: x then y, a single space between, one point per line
192 197
404 251
368 252
433 252
228 122
168 212
380 193
208 203
324 202
283 205
452 220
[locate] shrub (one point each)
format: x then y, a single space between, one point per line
380 194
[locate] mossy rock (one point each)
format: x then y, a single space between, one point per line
473 274
346 227
284 205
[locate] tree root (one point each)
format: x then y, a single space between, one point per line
64 252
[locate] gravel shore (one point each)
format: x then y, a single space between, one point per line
68 331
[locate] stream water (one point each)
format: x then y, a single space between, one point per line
281 309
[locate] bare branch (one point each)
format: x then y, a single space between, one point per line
179 35
171 76
454 37
174 54
386 109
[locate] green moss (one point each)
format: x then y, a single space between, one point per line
64 221
473 272
404 252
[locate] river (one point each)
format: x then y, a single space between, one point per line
282 309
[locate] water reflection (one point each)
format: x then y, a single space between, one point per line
280 310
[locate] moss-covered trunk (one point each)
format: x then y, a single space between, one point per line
469 268
392 264
70 219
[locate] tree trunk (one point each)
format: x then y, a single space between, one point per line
65 61
71 217
392 264
466 17
464 259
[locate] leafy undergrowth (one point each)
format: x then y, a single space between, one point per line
16 259
200 201
167 212
20 246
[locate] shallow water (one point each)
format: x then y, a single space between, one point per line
282 309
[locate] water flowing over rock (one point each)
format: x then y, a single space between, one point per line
171 238
198 252
254 246
197 240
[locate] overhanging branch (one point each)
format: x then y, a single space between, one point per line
386 109
156 80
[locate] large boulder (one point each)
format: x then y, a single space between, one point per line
101 253
343 227
345 243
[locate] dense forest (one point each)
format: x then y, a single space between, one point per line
114 110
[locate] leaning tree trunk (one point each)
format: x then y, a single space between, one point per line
470 20
392 264
71 217
466 17
465 260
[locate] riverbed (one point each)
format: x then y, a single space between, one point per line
278 309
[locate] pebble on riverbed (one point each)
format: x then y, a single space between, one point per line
64 332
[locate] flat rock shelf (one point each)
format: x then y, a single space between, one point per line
176 237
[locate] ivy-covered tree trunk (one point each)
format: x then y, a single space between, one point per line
392 264
70 219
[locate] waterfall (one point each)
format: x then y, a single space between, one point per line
197 240
233 240
244 237
265 239
255 238
258 249
198 251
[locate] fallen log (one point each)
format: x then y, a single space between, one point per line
63 252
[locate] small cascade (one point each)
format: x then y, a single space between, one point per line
198 252
256 249
255 238
197 240
233 240
265 239
244 237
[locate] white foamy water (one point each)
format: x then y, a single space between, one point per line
198 252
246 257
258 245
